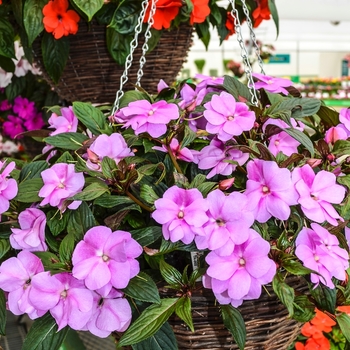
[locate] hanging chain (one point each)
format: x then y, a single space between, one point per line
244 54
148 35
129 58
253 37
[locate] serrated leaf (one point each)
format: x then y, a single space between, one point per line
197 181
302 138
3 313
169 273
67 140
285 293
304 310
33 18
189 137
184 311
143 288
66 248
43 335
110 201
149 322
148 194
125 18
118 45
66 157
149 169
328 116
4 246
344 324
28 190
89 7
91 192
56 221
296 268
206 187
234 322
51 262
131 96
108 167
325 297
81 220
236 88
147 236
33 170
73 341
7 37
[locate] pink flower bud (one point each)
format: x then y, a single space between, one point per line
226 184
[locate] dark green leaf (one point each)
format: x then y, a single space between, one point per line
108 167
236 88
328 116
89 7
118 45
341 147
149 169
344 324
302 138
304 310
184 311
206 187
169 273
143 288
4 246
148 235
16 87
284 293
66 157
66 248
33 170
197 181
234 322
28 191
296 268
91 192
110 201
274 13
55 55
33 18
73 341
80 221
148 194
325 297
7 64
7 38
149 322
125 18
56 221
131 96
51 262
188 138
43 335
67 140
3 313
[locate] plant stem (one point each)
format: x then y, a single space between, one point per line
142 205
173 159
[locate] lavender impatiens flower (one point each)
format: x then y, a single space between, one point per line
31 234
272 84
317 193
8 187
16 275
319 251
183 153
61 182
240 275
106 259
180 212
269 190
143 116
67 122
226 117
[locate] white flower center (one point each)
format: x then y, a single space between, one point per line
241 262
316 257
105 258
61 185
181 214
265 189
64 294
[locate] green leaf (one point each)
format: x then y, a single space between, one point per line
16 87
143 288
274 13
43 335
302 138
91 192
147 236
89 7
325 297
164 339
55 55
341 147
304 310
51 262
7 38
344 323
73 341
3 313
169 273
110 201
67 140
295 267
4 246
56 221
328 116
206 187
33 170
184 311
81 220
118 45
66 157
149 322
189 137
149 169
33 18
236 88
234 322
125 17
131 96
197 181
67 247
108 167
7 64
91 117
28 190
284 293
148 194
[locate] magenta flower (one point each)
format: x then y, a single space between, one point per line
317 192
61 182
335 133
319 251
208 83
35 122
181 212
216 156
344 118
226 117
191 98
228 224
31 235
15 278
113 146
184 153
5 105
269 190
106 259
240 275
142 116
8 187
67 122
67 299
272 84
110 312
13 126
23 107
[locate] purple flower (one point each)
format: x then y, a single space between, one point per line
31 235
317 192
142 116
184 153
106 259
35 122
240 275
226 117
61 182
272 84
216 156
110 312
229 221
8 187
191 98
23 107
13 126
67 122
269 190
113 146
208 83
5 105
67 299
15 278
181 212
344 118
319 251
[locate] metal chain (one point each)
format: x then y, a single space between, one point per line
129 58
148 35
244 54
253 37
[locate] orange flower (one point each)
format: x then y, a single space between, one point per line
310 330
299 346
58 21
200 12
323 322
317 344
166 11
230 25
345 308
261 12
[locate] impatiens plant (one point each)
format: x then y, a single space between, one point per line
98 231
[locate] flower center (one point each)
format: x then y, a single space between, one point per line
64 294
241 262
314 197
230 117
265 189
61 185
316 257
151 112
105 258
181 214
277 142
270 82
220 222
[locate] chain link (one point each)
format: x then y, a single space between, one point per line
253 37
148 35
129 58
244 54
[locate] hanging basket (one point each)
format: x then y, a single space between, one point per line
91 75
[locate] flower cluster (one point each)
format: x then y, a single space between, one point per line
108 214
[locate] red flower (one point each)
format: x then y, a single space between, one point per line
323 322
261 12
166 11
58 21
317 344
345 308
230 24
200 11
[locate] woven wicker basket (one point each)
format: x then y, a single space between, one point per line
92 75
